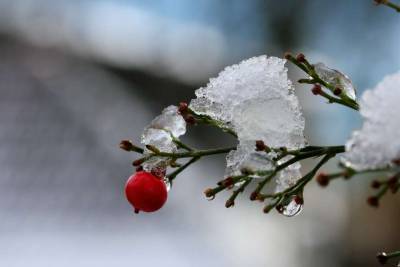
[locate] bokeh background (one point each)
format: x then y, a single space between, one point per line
76 77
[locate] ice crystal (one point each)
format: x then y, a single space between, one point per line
377 143
160 133
336 78
255 98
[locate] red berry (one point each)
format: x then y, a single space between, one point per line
146 192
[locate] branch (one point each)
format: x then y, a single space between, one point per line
388 3
308 68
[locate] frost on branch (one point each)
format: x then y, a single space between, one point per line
377 143
160 133
255 98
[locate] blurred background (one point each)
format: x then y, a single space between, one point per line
76 77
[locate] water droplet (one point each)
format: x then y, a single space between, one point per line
292 206
167 183
336 78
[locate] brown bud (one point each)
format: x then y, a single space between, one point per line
139 168
322 179
396 161
375 184
126 145
299 200
287 55
267 208
229 203
253 196
189 119
260 145
227 182
337 91
279 208
373 201
378 2
382 257
209 193
183 107
137 162
300 57
316 90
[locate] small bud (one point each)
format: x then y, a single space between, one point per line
260 145
316 90
287 55
136 210
375 184
392 181
126 145
229 203
373 201
209 193
382 257
337 91
137 162
253 196
378 2
300 57
183 107
139 168
298 200
396 161
322 179
190 119
227 182
279 208
267 208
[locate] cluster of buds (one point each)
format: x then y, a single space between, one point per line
391 184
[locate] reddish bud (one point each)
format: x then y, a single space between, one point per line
183 107
229 203
382 257
287 55
139 168
378 2
227 182
279 208
209 193
316 90
322 179
190 119
299 200
126 145
373 201
267 208
396 161
375 184
300 57
337 91
137 162
253 196
260 145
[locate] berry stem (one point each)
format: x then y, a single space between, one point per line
173 175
